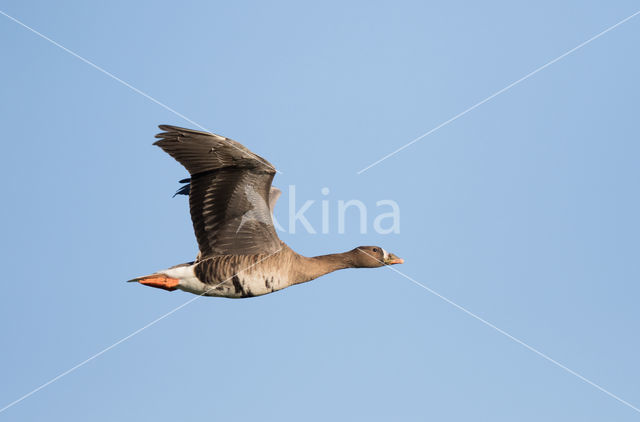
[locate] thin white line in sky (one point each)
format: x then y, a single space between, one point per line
128 85
522 343
122 340
495 94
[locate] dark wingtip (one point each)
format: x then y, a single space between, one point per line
166 129
184 190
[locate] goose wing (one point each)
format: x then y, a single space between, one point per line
229 193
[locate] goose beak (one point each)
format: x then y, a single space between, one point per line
392 259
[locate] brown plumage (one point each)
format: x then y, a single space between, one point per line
231 201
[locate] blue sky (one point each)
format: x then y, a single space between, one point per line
523 211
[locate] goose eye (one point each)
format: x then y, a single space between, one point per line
375 249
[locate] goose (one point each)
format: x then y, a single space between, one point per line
231 201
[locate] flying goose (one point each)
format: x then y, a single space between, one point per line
231 201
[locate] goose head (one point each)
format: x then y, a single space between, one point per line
373 257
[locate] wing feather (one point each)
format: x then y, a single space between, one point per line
229 192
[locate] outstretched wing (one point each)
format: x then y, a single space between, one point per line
229 192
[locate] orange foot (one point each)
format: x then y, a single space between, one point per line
160 281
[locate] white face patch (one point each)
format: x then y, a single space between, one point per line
386 254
